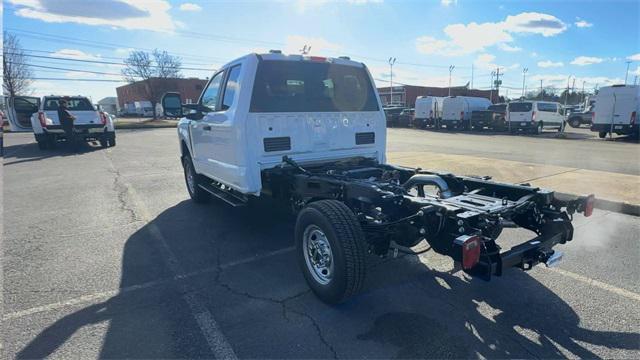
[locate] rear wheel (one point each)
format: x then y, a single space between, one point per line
602 134
575 122
330 248
538 129
193 181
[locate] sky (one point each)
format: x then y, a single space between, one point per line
556 41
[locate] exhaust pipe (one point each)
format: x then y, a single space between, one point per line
424 179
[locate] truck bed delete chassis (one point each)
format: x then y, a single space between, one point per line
461 217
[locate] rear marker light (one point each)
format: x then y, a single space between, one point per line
533 116
42 119
317 58
470 245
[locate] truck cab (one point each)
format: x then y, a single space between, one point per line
259 108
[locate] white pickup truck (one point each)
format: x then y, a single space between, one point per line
41 117
309 132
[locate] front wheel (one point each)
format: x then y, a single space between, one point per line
331 250
602 134
193 181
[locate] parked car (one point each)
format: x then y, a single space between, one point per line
534 116
319 148
90 124
575 119
392 115
428 111
616 110
456 110
493 118
405 119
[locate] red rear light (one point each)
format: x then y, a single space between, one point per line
533 116
461 115
588 205
317 58
633 118
103 118
43 119
470 245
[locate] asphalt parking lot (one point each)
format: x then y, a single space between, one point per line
105 256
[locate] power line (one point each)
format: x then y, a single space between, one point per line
100 56
67 79
67 69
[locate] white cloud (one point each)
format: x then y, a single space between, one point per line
487 62
75 54
190 7
150 15
448 2
581 23
550 64
634 57
534 54
474 37
586 60
508 48
318 45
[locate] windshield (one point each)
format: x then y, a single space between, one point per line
73 104
302 86
520 107
502 107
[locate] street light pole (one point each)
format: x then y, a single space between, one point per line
524 75
391 62
491 88
451 67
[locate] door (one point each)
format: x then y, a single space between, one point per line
222 155
19 111
549 114
201 130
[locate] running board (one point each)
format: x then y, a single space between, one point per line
226 196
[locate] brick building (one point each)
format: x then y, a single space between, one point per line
406 95
190 90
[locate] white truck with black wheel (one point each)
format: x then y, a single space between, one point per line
309 132
616 111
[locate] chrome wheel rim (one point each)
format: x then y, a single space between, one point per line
317 254
189 176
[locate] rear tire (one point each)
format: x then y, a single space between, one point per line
575 123
331 250
538 129
193 182
602 134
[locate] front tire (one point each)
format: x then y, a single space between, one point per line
331 250
193 182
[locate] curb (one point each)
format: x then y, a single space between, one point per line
609 205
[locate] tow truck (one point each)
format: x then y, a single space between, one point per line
310 132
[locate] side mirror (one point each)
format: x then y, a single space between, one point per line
172 105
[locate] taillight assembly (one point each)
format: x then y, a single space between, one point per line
461 115
533 116
471 245
43 119
103 118
633 118
588 205
593 117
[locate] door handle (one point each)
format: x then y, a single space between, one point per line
206 128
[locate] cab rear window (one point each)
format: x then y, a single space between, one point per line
520 107
74 104
304 86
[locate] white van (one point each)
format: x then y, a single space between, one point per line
617 110
534 116
456 110
428 111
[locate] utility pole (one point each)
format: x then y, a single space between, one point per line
491 87
391 62
541 91
306 49
524 75
451 67
498 83
472 75
627 73
583 97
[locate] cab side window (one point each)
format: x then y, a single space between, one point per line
210 96
231 87
547 107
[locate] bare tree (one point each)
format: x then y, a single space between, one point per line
17 74
154 72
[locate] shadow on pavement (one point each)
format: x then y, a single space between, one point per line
30 152
160 324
